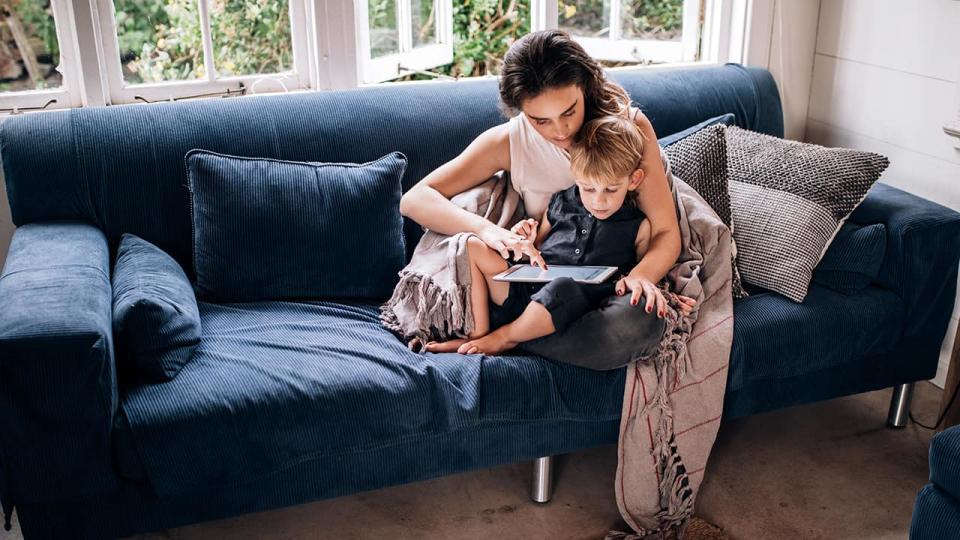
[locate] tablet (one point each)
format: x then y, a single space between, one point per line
533 274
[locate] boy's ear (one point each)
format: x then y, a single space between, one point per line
636 178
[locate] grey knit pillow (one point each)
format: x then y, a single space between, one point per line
700 160
788 200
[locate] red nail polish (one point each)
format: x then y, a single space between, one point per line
649 309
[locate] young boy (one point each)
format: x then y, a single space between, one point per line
595 222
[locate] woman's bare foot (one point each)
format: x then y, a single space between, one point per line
444 346
495 342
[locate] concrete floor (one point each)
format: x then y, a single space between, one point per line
827 470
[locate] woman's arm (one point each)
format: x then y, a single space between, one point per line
428 202
657 203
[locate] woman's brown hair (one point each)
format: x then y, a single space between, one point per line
552 59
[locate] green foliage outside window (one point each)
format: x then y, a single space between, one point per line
161 39
483 30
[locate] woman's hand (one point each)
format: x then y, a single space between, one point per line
640 285
501 240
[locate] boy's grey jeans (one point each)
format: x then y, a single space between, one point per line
605 338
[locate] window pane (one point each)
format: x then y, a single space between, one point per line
585 18
29 52
652 19
384 36
424 18
159 40
250 36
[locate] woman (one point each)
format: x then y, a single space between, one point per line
551 86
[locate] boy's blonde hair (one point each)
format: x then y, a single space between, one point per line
607 150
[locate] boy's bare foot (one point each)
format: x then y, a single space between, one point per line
444 346
495 342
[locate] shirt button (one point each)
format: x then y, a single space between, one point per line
584 231
577 251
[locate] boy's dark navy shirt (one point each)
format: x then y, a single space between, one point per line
578 238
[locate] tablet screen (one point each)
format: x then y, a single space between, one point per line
577 273
554 272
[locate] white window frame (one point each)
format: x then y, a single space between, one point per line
121 91
408 59
64 96
331 51
726 23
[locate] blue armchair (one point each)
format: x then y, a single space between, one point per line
936 514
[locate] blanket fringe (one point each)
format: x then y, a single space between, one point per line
670 363
438 315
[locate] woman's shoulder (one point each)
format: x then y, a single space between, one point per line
494 143
640 119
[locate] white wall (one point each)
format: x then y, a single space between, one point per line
885 79
793 37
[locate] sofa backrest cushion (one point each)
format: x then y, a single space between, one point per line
267 229
122 167
853 260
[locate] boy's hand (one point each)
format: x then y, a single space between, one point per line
526 228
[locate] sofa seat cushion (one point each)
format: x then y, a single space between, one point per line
776 338
275 384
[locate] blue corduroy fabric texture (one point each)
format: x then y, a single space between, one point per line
725 119
122 167
267 229
936 512
853 259
156 322
58 388
945 461
936 515
278 383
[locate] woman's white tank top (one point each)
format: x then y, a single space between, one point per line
538 168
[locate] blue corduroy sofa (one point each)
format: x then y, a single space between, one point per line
936 513
327 402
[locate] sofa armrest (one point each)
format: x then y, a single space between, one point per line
920 265
945 461
58 391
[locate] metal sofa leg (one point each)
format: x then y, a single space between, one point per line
900 405
542 488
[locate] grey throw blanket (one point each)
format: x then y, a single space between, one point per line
432 299
672 400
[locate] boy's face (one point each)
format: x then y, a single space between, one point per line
602 201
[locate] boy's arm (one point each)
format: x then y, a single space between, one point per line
542 230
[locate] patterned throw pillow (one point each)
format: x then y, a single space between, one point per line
700 160
788 200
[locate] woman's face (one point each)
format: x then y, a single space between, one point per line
557 114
